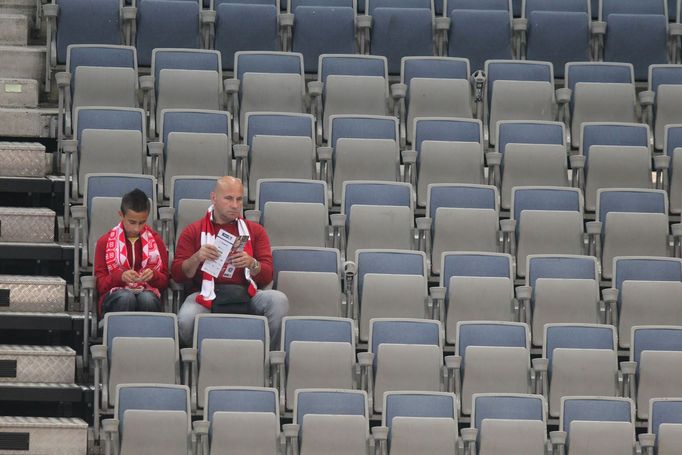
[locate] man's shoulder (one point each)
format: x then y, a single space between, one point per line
255 228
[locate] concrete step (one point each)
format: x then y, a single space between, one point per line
39 435
25 62
18 92
26 8
22 122
13 29
37 364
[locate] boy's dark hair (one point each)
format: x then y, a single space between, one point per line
136 201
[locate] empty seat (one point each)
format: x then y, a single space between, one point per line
330 421
432 87
474 286
480 31
520 143
462 218
598 92
517 90
660 102
265 82
239 420
136 348
181 78
577 359
317 352
401 28
387 283
621 158
311 279
403 354
446 150
490 357
294 212
557 32
154 419
192 142
673 142
595 425
348 84
544 220
375 215
418 422
653 369
664 426
560 288
513 424
276 145
227 350
629 223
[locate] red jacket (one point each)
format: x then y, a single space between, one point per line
106 281
190 242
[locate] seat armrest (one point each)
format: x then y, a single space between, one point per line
240 150
424 223
469 435
166 213
286 19
50 10
277 357
380 433
577 161
252 215
399 91
365 358
540 364
363 21
63 78
349 268
324 153
69 145
147 82
524 292
88 282
110 425
442 23
409 156
231 85
646 98
661 162
453 361
508 225
647 440
98 351
557 437
676 229
493 158
155 148
593 227
315 88
598 27
610 295
78 211
675 29
338 219
129 13
628 367
201 427
188 354
520 24
437 292
563 95
207 16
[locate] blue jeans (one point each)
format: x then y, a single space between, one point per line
274 305
125 300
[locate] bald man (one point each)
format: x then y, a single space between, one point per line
253 265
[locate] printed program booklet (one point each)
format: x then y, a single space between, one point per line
227 244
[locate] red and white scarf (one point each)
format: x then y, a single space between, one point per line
117 255
208 233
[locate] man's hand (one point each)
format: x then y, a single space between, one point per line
146 275
240 260
207 252
129 276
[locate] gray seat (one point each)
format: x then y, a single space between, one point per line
191 89
355 95
479 298
155 432
435 435
597 438
291 157
669 438
512 437
244 433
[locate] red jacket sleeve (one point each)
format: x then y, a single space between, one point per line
263 254
160 278
105 280
184 249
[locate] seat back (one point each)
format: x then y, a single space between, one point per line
153 17
664 420
480 35
244 433
601 437
594 409
323 29
82 22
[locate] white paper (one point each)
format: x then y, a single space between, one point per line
223 241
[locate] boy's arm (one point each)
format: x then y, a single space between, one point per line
105 280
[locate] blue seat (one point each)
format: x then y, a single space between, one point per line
211 136
362 148
480 31
664 411
350 84
464 218
448 150
318 352
189 198
673 140
414 345
480 348
396 286
162 24
440 87
558 32
323 29
623 214
591 345
380 212
311 278
286 190
245 27
661 100
240 418
401 29
546 218
344 411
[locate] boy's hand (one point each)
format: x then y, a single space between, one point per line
129 277
146 275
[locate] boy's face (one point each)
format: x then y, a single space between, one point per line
133 222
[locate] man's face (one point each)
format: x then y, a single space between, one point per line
228 202
133 222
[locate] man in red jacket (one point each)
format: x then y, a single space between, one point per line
251 268
131 261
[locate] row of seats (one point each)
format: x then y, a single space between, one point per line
157 419
402 354
624 31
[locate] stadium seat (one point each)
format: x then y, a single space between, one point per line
660 103
670 179
664 427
